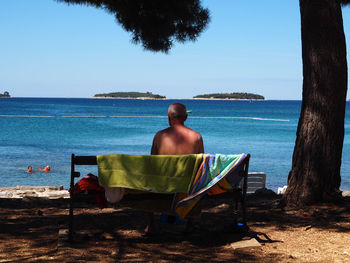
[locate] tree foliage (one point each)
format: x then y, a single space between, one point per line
130 95
156 24
234 95
6 94
345 2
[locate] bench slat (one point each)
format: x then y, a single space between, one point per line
85 160
253 184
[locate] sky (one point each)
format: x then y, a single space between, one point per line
51 49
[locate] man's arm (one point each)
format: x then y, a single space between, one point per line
200 144
154 149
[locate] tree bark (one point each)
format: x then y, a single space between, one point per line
315 173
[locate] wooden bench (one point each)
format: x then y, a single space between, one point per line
238 194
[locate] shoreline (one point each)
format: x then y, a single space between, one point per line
20 192
56 192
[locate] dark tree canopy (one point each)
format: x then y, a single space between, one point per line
345 2
156 24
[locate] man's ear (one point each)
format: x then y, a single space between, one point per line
186 117
169 120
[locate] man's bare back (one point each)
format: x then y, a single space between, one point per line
177 139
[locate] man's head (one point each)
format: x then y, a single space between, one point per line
177 113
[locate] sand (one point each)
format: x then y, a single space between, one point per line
30 228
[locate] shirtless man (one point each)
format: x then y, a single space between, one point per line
177 139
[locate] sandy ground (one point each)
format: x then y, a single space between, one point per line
29 232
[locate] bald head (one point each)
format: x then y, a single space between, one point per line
177 111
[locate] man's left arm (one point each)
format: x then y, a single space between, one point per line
154 149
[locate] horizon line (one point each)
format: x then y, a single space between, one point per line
109 98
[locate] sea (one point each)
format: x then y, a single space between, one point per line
47 131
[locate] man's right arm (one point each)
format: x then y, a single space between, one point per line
200 145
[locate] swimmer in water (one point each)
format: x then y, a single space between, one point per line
45 169
30 169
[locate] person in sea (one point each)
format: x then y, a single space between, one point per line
174 140
46 169
29 169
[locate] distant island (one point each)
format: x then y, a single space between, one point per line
233 96
6 94
129 95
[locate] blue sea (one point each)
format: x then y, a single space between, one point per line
46 131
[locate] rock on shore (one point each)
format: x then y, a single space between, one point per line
51 192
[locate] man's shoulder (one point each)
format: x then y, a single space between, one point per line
166 130
194 132
183 129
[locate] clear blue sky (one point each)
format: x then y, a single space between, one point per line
50 49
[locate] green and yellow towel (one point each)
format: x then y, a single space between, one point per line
154 173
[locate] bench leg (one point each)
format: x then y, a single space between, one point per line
71 205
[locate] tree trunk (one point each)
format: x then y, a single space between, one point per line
315 174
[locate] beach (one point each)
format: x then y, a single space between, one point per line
34 230
35 206
255 168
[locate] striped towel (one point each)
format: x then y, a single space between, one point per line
216 174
